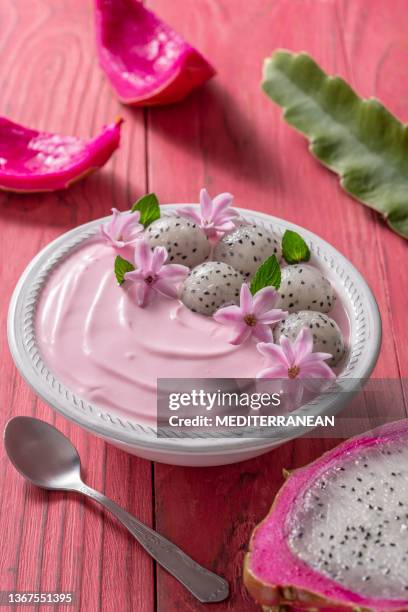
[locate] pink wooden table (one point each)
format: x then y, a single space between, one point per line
227 136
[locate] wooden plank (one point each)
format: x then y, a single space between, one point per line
381 39
229 136
50 80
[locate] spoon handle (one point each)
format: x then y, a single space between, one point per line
206 586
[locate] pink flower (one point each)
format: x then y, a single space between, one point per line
216 217
294 359
253 316
122 232
151 275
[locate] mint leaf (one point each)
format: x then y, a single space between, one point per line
149 209
121 267
267 275
294 248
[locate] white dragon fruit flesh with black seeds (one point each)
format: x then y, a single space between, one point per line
337 534
211 285
304 287
185 242
355 547
246 247
327 337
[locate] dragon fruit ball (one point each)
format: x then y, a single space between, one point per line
327 337
304 287
211 285
246 247
185 242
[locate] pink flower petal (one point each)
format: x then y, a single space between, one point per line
230 214
188 212
205 205
288 350
132 236
243 333
134 276
228 315
228 217
105 233
313 357
303 344
132 230
221 202
115 221
215 217
166 288
122 231
110 230
276 371
272 316
273 351
316 370
142 293
143 256
246 304
224 227
174 272
227 213
158 258
262 333
264 300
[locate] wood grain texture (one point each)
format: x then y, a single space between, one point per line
228 136
236 141
50 79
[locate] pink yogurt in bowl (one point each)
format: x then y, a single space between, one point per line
95 356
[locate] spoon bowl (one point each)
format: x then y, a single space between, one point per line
42 454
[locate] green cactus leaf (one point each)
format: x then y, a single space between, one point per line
358 139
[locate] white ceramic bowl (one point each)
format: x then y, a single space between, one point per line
136 438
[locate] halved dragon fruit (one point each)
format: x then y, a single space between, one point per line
146 61
336 537
32 161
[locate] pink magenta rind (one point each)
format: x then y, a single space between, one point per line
146 61
33 161
271 564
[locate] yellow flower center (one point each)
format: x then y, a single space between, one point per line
250 320
293 371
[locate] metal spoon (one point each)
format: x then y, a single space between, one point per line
45 457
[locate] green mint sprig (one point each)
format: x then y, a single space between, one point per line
267 275
149 208
294 248
121 267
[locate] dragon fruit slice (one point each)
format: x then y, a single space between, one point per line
146 61
336 537
32 161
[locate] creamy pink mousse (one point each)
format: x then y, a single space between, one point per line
110 352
